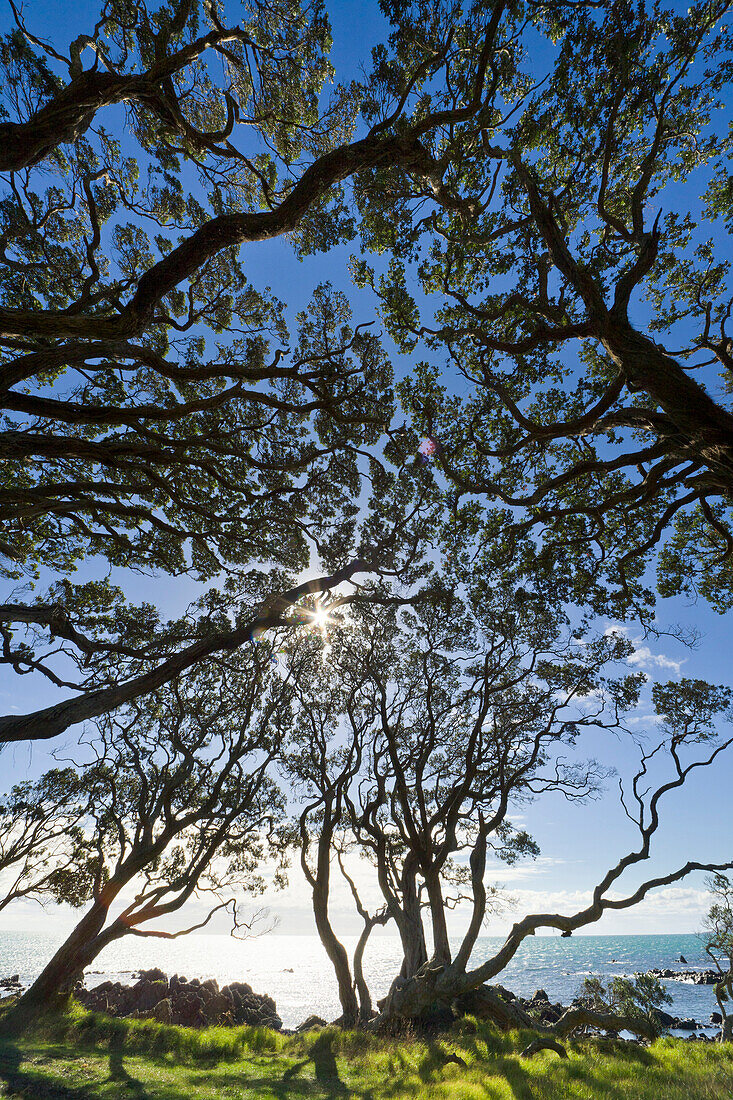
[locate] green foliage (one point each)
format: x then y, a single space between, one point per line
532 235
638 998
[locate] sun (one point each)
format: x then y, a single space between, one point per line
320 619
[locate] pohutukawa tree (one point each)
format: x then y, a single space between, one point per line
429 729
182 805
577 328
146 417
43 849
321 762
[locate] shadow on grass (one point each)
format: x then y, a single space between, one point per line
23 1084
117 1072
324 1062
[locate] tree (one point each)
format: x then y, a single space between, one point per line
181 804
581 330
170 439
641 996
321 768
42 849
427 728
717 938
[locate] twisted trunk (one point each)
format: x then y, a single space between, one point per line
365 998
51 990
336 953
410 925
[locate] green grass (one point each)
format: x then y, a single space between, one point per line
88 1056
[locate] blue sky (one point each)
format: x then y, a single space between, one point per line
576 841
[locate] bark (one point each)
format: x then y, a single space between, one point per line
705 428
320 883
365 999
233 230
339 959
412 997
69 114
577 1017
410 925
545 1043
723 992
224 231
441 945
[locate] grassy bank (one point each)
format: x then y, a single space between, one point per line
87 1056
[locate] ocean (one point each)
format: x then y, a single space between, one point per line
295 971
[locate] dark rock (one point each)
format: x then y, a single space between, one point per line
148 993
178 1001
716 1018
683 960
693 977
311 1024
539 995
187 1010
685 1025
163 1012
154 975
664 1018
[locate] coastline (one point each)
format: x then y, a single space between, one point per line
295 972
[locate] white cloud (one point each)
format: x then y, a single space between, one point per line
643 658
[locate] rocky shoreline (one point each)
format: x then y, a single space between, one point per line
196 1003
178 1000
692 977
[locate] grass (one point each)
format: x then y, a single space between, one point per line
89 1056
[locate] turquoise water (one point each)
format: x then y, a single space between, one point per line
295 971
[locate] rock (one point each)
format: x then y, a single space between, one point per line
539 995
148 993
683 960
311 1024
154 975
178 1001
694 977
686 1025
11 982
187 1010
665 1019
163 1012
716 1018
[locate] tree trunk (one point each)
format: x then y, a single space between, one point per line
723 992
336 953
441 946
410 926
51 990
365 999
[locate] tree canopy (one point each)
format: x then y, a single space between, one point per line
404 532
